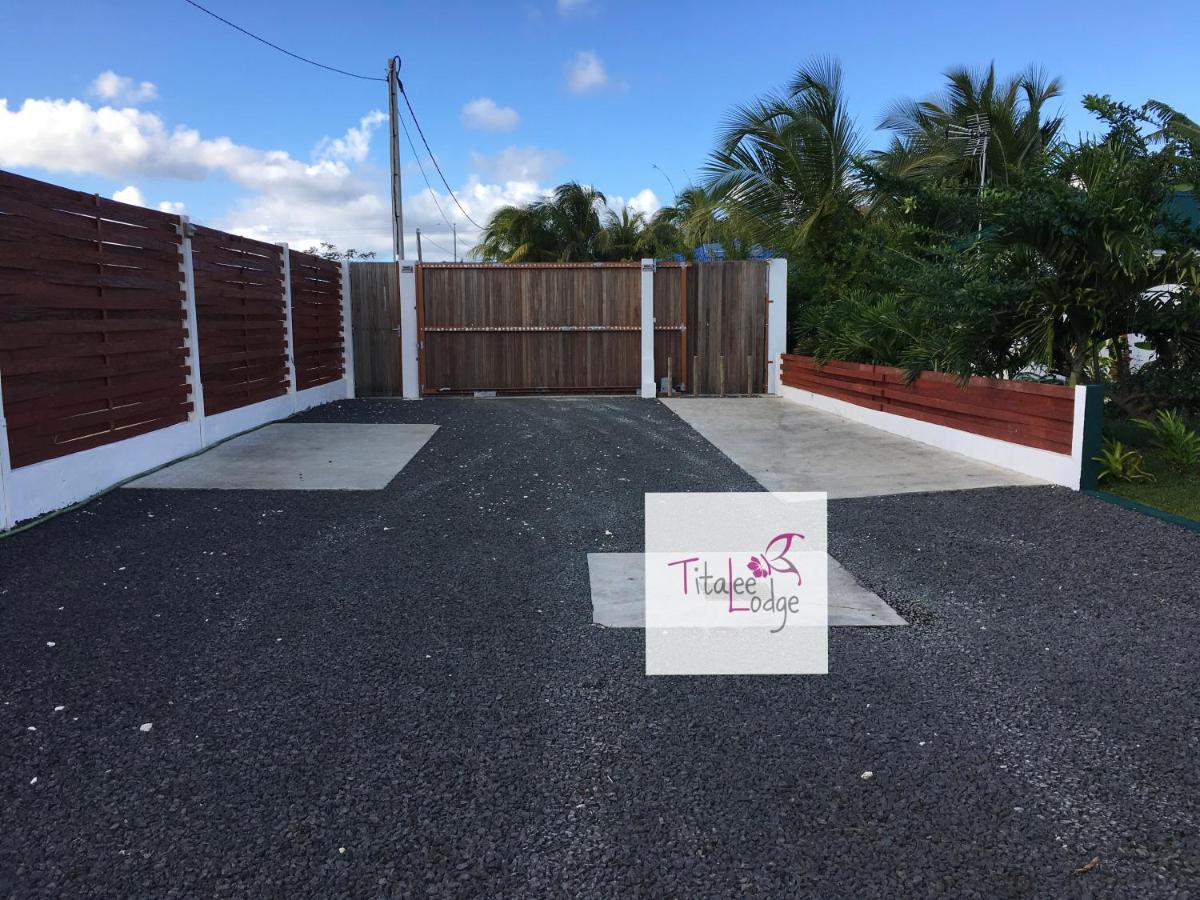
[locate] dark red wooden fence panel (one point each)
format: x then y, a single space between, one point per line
92 320
242 319
316 320
1036 415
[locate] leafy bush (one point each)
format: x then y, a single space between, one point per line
1171 436
1121 463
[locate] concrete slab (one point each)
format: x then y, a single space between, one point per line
789 447
299 456
619 595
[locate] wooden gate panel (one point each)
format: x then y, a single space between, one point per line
375 302
728 326
571 328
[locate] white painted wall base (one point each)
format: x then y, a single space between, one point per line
1057 468
55 483
341 389
225 425
46 486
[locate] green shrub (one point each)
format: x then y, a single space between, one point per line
1121 463
1171 436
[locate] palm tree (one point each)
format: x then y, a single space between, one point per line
1014 109
624 234
563 227
787 161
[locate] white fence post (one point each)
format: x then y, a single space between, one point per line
409 372
776 324
649 389
193 332
6 520
287 307
347 332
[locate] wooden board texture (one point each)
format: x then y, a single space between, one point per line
1034 415
92 320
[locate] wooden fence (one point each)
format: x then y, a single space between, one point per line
92 333
563 327
1033 415
316 319
120 323
241 315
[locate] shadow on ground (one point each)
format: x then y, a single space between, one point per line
401 691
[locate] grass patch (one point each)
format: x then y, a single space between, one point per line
1171 491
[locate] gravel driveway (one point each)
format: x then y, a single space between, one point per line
400 692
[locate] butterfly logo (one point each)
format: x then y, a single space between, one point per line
774 557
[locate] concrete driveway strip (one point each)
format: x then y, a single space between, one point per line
299 456
619 594
790 447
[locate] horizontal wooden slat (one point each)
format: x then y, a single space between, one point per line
24 455
30 189
997 408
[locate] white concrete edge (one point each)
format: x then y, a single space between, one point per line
6 519
1057 468
54 483
234 421
347 335
322 393
409 372
776 323
1078 432
649 388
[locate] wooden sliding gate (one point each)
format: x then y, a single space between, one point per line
563 327
570 328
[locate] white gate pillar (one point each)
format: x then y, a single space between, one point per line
649 389
347 332
409 373
776 324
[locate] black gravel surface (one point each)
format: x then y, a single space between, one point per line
400 692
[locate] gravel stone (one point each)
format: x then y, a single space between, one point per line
317 682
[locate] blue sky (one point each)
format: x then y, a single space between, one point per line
259 150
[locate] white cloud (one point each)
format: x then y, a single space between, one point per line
129 194
569 7
71 136
121 89
483 113
644 201
133 195
338 195
517 164
586 73
353 146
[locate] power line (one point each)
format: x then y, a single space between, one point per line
430 240
433 158
417 157
261 40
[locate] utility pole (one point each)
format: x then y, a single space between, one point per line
420 259
393 82
454 228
